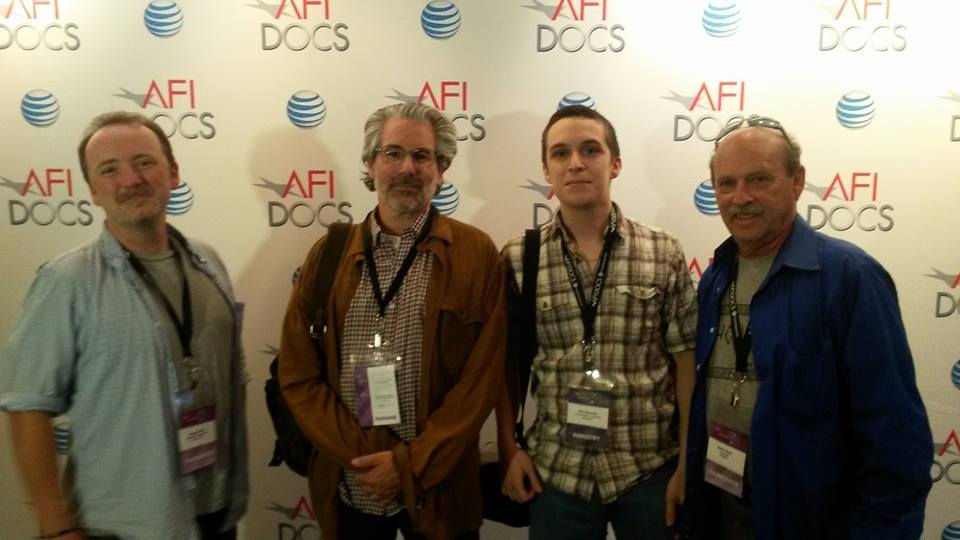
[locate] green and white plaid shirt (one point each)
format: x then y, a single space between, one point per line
647 311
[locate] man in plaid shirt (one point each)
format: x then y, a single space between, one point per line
616 315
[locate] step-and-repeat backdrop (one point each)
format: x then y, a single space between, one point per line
264 102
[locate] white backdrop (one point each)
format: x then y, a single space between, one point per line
869 87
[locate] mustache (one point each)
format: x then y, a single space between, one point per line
139 190
405 181
746 210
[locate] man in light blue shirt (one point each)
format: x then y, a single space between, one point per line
136 337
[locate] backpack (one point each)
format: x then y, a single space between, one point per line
522 346
291 446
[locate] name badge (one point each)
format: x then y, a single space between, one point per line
726 458
588 416
377 399
197 439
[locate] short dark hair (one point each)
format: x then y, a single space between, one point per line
121 117
580 111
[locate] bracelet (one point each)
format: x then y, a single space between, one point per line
58 534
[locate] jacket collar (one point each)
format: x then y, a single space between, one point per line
440 233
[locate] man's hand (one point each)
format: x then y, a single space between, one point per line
377 475
675 494
520 474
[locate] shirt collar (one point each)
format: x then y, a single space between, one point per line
554 228
378 233
116 255
799 250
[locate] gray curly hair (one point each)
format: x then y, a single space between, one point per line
443 128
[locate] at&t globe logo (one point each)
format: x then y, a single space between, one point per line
955 375
181 200
721 19
163 18
306 109
705 199
447 201
856 109
577 98
951 531
440 19
40 108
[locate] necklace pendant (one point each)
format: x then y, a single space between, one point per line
735 398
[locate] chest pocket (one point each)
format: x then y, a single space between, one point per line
640 308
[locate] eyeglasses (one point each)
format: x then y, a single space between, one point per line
753 120
396 154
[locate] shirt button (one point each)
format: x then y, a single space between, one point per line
712 328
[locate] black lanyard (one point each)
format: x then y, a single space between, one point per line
588 310
741 338
184 327
384 301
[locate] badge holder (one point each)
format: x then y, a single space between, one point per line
375 384
197 433
588 406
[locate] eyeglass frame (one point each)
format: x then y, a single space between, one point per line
431 155
754 120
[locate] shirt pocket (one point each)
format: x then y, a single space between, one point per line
809 383
634 314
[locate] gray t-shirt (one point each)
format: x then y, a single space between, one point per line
721 376
211 347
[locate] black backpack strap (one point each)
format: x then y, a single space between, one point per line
325 271
528 321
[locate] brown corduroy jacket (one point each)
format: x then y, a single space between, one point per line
464 338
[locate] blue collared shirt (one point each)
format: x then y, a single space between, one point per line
841 445
91 343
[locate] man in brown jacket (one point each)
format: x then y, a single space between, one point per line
414 342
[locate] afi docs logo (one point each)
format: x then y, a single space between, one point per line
705 108
858 23
296 199
856 193
946 460
721 19
177 101
542 212
453 98
295 26
40 108
948 302
44 197
856 110
29 25
298 522
576 25
440 19
163 18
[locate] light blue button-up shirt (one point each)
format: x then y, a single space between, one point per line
91 343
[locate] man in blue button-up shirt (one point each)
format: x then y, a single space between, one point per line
135 336
806 421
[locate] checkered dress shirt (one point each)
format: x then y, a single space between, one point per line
648 309
402 330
